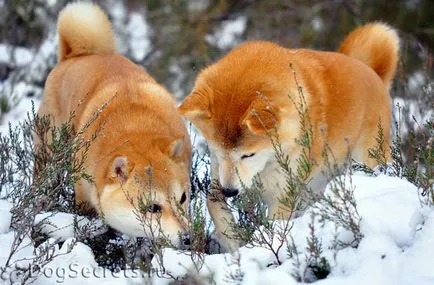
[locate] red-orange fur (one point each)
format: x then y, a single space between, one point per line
346 93
140 125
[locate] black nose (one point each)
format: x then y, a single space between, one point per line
228 192
186 239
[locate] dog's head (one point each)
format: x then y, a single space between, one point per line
146 188
239 141
237 104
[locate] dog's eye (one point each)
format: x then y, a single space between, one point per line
247 155
183 198
154 208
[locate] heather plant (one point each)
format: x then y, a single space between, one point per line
318 267
339 204
48 189
420 171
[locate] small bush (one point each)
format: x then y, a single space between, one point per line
48 189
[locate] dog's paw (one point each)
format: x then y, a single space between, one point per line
297 214
221 244
214 246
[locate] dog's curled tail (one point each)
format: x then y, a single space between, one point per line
377 45
84 29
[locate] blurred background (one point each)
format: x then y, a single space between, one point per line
173 40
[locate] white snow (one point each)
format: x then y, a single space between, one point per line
411 109
229 34
396 249
416 81
139 32
45 57
131 30
5 215
20 110
395 222
6 241
17 55
176 83
51 2
317 24
61 225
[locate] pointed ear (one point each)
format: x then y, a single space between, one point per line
261 117
176 148
119 170
195 106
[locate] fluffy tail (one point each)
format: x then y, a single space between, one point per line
84 29
377 45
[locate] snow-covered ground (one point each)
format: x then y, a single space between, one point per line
398 228
397 247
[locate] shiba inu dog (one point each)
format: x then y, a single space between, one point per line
142 148
239 100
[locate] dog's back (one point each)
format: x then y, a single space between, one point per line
87 64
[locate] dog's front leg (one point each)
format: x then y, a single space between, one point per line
316 186
273 182
222 218
220 212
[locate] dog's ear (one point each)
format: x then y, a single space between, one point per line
176 148
119 170
196 106
261 117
